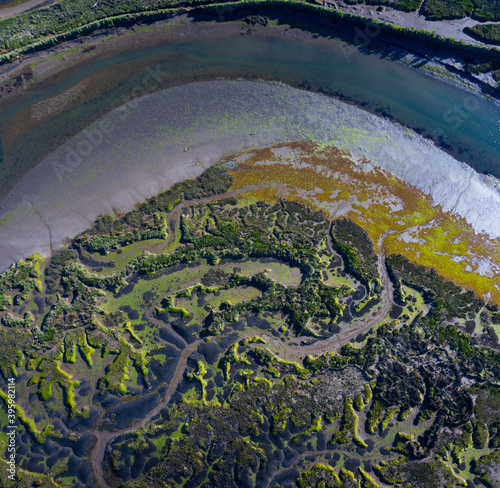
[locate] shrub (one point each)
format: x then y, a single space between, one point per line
489 33
486 10
447 9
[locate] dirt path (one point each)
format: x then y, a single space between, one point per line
104 438
173 222
359 326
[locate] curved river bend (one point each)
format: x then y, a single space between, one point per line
467 125
94 148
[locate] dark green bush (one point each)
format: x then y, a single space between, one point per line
447 9
489 33
486 10
444 293
478 68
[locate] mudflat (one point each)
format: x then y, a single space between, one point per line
143 147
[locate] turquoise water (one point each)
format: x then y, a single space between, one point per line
467 126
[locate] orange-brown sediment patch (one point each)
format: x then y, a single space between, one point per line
384 205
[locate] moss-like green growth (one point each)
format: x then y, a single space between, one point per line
419 362
20 357
357 250
349 427
279 418
389 414
347 478
49 373
317 364
265 358
117 372
366 480
5 301
13 344
374 416
253 340
447 9
403 443
359 403
263 380
10 321
319 475
28 423
423 415
111 282
403 414
429 472
169 307
21 276
96 341
69 350
85 349
485 467
128 327
33 363
480 434
314 427
232 357
489 33
198 375
401 270
292 364
463 443
139 443
367 393
388 471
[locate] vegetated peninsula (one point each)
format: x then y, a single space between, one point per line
257 326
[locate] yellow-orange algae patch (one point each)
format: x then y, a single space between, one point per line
391 211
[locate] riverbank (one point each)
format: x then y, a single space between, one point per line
412 20
361 29
75 83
